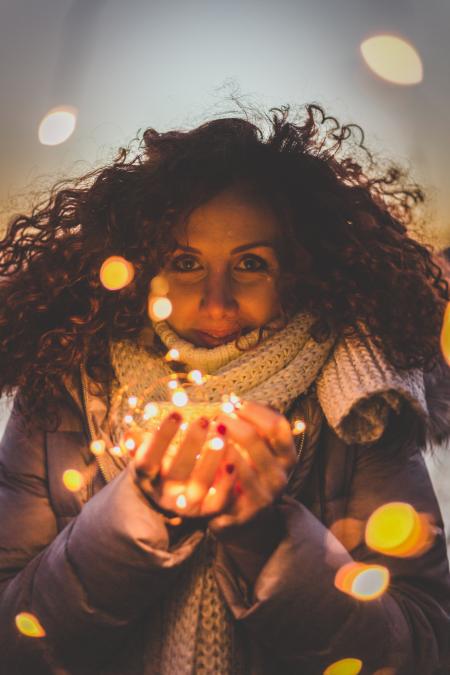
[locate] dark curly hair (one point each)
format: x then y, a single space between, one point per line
344 220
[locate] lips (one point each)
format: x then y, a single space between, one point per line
216 338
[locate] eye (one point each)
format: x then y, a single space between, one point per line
252 263
184 263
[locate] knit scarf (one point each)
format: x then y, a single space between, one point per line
355 385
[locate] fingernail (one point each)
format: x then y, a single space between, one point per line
204 422
229 468
221 428
175 416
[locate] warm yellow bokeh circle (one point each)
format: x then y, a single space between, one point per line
29 625
73 480
397 529
116 273
344 667
445 335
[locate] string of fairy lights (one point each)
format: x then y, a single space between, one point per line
394 529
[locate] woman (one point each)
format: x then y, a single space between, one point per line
294 285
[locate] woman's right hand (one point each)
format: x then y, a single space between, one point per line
186 488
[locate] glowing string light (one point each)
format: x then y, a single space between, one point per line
97 447
180 398
128 419
133 401
195 376
29 625
227 407
216 443
172 355
116 450
150 410
181 502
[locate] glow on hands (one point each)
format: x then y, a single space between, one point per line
190 486
257 441
260 443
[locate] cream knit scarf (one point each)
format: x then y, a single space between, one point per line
356 386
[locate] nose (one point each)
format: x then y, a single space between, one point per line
217 297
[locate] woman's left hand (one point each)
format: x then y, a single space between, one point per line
260 443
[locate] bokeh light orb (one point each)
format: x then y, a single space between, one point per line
370 583
159 285
159 308
116 273
396 529
445 335
29 625
362 581
57 125
344 667
73 480
393 59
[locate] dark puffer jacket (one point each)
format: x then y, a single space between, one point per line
94 566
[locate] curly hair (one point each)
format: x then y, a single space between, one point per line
345 250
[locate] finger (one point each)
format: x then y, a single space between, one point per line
273 426
185 459
149 455
220 493
249 483
205 469
244 434
251 497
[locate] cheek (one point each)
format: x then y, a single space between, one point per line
260 300
185 301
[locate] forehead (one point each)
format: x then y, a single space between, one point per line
228 219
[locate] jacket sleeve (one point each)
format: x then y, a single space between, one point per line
294 609
86 584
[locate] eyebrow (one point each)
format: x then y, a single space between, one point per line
238 249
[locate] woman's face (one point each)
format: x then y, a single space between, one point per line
223 274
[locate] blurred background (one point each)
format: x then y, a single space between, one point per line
80 78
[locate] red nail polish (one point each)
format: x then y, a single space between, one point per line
175 416
204 422
221 428
229 468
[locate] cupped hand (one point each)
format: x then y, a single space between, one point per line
260 444
198 480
